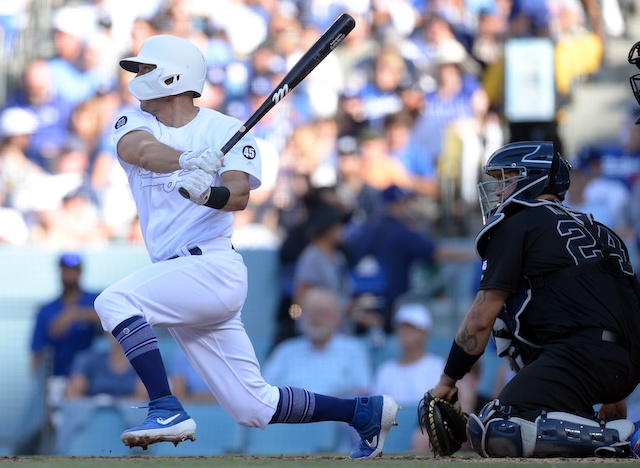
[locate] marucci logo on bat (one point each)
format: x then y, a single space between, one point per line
336 41
280 94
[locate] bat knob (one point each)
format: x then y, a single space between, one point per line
184 193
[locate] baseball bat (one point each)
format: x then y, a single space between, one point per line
329 40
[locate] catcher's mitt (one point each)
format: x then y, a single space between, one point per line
445 423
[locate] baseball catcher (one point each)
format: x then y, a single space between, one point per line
560 298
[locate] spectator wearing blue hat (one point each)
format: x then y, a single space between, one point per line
66 325
389 243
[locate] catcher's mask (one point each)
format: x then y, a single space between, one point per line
522 170
634 81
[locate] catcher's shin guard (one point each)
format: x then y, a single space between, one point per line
554 434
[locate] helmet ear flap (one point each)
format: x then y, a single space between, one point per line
553 170
558 176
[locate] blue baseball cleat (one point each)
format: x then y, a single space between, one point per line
373 418
167 421
634 440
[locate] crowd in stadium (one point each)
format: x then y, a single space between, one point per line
416 86
395 124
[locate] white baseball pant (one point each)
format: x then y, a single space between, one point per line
199 299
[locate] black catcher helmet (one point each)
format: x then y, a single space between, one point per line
531 168
634 59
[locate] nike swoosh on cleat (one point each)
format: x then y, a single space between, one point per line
374 442
164 422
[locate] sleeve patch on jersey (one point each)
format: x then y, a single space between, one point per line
249 152
121 122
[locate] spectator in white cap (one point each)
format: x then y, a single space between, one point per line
16 127
404 377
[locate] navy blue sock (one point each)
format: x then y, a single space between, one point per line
140 345
297 405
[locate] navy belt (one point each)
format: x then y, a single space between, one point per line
193 251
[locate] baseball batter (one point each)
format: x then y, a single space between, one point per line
197 283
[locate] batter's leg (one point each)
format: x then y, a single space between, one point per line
226 361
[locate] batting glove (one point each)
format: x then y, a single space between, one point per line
209 160
198 184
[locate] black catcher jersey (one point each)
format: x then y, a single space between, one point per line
565 271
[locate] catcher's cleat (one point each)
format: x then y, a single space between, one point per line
166 421
634 440
373 418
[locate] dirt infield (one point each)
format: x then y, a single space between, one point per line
399 461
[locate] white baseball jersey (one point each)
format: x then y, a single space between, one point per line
171 224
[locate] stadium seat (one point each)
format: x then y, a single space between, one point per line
88 429
281 439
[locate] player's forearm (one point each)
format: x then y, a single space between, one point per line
159 158
475 330
239 195
140 148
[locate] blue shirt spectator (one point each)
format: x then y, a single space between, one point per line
53 113
68 324
96 371
394 245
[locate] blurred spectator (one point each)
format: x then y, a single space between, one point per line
71 25
36 93
379 168
295 239
421 166
322 359
68 324
142 28
450 101
356 195
488 43
13 227
17 126
381 94
97 371
322 262
13 19
467 144
186 383
73 224
406 376
108 181
389 245
322 87
606 198
360 46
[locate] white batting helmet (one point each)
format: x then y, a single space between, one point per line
180 67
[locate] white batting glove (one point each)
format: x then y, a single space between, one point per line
210 160
198 183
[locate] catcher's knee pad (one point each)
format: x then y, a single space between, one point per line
499 438
554 434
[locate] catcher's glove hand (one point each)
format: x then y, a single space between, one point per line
444 422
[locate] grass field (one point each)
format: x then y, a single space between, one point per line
405 461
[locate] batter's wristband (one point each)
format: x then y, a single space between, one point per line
218 197
459 362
